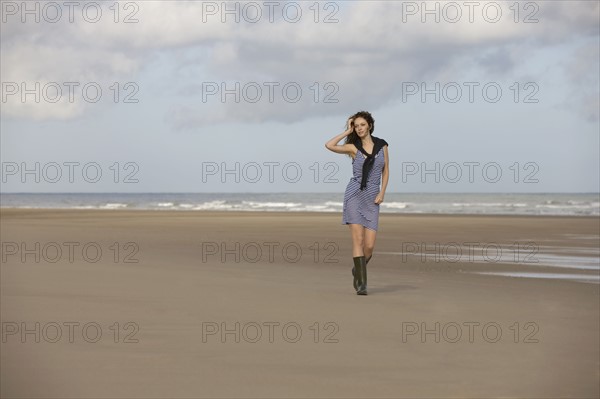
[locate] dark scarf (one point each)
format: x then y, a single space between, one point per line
378 144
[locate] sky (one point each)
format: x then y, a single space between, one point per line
193 96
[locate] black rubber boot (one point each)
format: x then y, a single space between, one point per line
360 270
355 283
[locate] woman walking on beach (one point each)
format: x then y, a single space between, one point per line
370 167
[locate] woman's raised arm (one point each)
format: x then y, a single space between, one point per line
332 144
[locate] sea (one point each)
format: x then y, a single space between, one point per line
578 204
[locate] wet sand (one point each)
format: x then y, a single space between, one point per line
249 304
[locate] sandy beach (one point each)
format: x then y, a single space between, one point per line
149 304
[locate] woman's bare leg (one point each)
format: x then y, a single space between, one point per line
358 239
369 242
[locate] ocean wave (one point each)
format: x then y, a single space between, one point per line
395 205
462 204
490 204
254 204
113 205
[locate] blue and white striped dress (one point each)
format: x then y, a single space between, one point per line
359 205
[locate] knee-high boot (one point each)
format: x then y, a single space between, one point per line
355 282
360 266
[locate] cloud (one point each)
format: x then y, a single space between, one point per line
582 70
366 55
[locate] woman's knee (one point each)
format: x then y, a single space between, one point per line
358 240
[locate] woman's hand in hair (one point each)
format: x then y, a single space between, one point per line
350 125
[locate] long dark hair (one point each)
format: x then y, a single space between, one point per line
353 138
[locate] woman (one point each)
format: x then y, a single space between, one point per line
362 197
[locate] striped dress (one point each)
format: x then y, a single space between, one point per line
359 205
